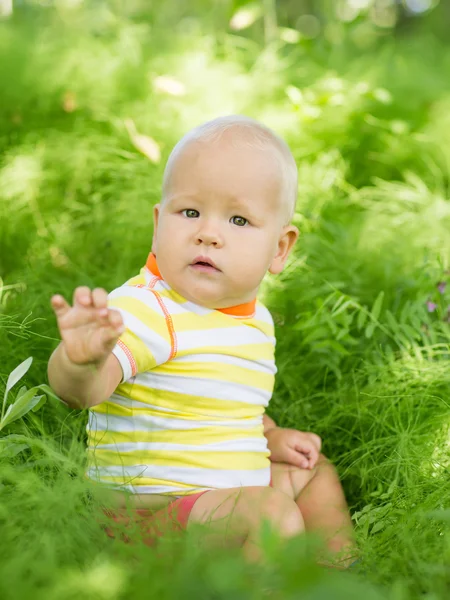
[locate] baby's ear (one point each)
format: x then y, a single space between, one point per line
288 237
155 225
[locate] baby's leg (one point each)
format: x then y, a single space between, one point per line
318 494
236 515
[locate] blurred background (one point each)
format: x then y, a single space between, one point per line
93 96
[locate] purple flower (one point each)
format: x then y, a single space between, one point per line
441 286
431 306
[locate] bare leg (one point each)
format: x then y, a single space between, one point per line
236 515
318 494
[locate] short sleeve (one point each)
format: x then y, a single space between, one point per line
264 321
146 342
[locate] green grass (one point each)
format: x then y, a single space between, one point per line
361 359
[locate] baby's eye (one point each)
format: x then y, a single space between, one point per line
191 213
240 221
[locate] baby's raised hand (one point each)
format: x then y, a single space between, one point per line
299 448
89 329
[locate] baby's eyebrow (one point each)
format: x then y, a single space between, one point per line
180 198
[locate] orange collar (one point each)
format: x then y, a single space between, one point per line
240 310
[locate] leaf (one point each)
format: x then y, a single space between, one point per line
369 330
20 407
376 308
288 35
344 306
294 94
332 344
40 404
362 318
169 85
392 321
21 392
144 143
245 17
410 331
379 526
18 373
11 449
48 391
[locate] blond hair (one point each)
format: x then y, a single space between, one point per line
256 135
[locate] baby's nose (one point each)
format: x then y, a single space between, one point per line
210 236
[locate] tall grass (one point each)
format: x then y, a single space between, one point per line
361 311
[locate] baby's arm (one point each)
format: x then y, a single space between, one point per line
82 370
268 423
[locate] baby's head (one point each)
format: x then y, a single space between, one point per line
229 193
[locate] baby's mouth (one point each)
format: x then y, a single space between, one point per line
204 265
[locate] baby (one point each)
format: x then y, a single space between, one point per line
177 365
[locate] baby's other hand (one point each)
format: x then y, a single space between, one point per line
299 448
89 329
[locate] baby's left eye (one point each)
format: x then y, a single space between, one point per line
240 221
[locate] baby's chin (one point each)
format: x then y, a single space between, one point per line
210 298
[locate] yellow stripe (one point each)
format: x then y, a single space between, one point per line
237 410
143 357
136 280
192 436
172 295
236 461
110 408
266 328
149 317
220 372
189 406
187 489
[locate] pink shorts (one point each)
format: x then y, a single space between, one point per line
154 524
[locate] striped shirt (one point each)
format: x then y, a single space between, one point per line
187 415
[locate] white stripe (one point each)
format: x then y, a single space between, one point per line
243 445
102 422
211 478
263 314
131 403
255 365
175 307
145 296
158 346
124 362
155 489
206 388
221 336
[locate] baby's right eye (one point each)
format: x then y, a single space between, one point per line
191 213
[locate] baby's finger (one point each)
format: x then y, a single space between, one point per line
59 305
100 299
298 459
115 319
311 451
109 337
82 296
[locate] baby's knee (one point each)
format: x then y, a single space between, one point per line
282 513
326 466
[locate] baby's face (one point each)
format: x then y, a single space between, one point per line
222 204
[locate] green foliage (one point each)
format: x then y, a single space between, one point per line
92 91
